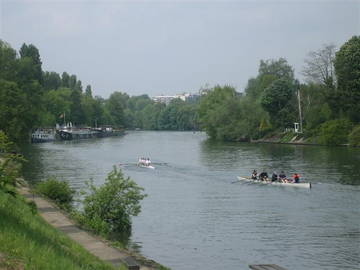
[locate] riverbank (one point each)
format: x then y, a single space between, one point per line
28 242
31 224
95 245
292 138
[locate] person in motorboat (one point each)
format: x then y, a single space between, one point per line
147 161
296 177
274 177
263 176
254 175
282 177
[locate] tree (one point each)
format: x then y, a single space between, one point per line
32 53
57 103
347 69
77 116
115 106
319 66
65 80
13 111
276 101
108 208
52 80
219 113
8 66
88 91
278 68
269 71
72 82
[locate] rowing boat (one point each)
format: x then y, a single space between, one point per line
146 166
300 185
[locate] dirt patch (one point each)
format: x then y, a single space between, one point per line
7 263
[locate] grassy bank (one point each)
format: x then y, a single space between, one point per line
28 242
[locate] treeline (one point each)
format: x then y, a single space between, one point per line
330 100
31 98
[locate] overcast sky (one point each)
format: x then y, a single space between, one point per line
168 47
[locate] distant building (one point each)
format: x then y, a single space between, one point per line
167 99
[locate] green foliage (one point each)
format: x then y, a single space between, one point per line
52 80
276 101
108 209
10 165
354 136
34 244
218 112
334 132
347 69
58 191
115 106
30 56
269 71
277 68
8 62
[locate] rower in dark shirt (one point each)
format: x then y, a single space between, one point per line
282 176
274 177
254 175
263 176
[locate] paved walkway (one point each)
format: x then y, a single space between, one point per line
93 244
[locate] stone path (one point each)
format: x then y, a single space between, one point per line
91 243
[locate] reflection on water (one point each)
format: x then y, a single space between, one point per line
197 217
318 163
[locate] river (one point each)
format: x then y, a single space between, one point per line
196 215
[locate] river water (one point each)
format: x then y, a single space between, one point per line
196 215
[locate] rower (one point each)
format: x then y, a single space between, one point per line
263 176
274 177
296 177
282 176
254 175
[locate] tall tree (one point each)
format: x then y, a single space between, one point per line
65 80
278 68
319 66
347 69
269 71
88 91
276 101
219 113
76 111
52 80
8 66
115 106
72 82
32 53
13 111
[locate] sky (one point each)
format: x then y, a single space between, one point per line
169 47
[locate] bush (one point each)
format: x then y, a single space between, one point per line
58 191
107 209
334 132
354 137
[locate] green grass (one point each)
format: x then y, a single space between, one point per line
28 242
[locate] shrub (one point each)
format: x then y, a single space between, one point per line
354 137
58 191
108 209
334 132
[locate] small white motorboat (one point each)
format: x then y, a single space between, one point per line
146 166
288 184
145 163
